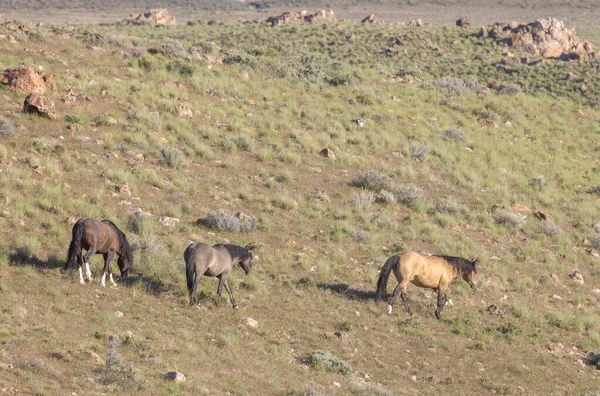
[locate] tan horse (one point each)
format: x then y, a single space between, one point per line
102 237
434 272
218 260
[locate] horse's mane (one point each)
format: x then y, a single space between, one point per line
460 264
124 247
236 251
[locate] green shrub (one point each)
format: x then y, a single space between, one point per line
174 157
225 221
6 127
324 360
374 181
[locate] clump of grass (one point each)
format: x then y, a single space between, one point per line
202 47
452 86
419 151
362 236
455 134
408 194
509 219
115 371
385 197
508 89
363 199
448 206
550 229
6 127
594 237
171 47
226 221
141 222
373 180
239 57
324 360
174 157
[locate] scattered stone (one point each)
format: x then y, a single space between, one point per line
359 122
337 384
554 277
483 32
128 335
252 323
327 153
119 314
288 17
521 208
168 221
26 79
413 378
94 356
416 22
463 22
556 297
577 277
39 104
123 188
468 149
160 138
152 17
369 20
595 292
7 366
449 303
175 376
494 310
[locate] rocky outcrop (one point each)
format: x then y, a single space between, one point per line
35 102
463 22
152 17
26 79
288 17
369 20
547 37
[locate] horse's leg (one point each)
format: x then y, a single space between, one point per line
80 267
404 296
107 257
441 302
86 260
193 298
226 284
219 289
110 276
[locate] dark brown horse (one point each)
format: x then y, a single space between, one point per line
218 260
434 272
98 237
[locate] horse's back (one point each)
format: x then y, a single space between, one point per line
425 271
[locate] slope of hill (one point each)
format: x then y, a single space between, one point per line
230 116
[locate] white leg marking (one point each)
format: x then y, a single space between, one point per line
389 309
81 276
88 272
112 280
103 281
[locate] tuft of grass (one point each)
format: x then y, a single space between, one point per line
418 151
547 227
373 180
509 219
455 134
6 127
324 360
173 157
363 199
226 221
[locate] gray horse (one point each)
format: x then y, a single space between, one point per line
218 260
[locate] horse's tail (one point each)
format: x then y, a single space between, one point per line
384 276
75 246
190 271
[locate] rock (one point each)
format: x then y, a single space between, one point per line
494 310
463 22
542 215
26 79
416 22
252 323
595 292
152 17
494 281
337 384
288 17
521 208
577 277
175 376
449 303
7 366
327 153
168 221
94 356
483 32
556 297
128 335
554 277
38 103
160 138
283 19
359 122
123 188
119 314
546 37
369 19
322 15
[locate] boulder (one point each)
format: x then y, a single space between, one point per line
322 15
416 22
546 37
26 79
251 322
369 20
175 376
483 32
123 188
577 277
521 208
38 103
327 153
152 17
542 215
283 19
463 22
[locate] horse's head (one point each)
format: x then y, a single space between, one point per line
124 264
469 276
246 263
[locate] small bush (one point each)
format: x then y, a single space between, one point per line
324 360
595 236
364 199
225 221
448 206
419 151
507 218
456 134
202 47
452 86
141 223
117 39
362 236
508 89
6 127
116 372
174 157
550 229
171 47
386 197
408 195
374 181
239 57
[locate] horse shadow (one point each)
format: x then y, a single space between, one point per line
21 258
346 291
149 284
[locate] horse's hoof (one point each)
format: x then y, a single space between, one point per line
389 309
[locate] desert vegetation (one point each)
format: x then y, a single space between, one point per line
220 125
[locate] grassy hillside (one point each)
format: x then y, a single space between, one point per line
146 106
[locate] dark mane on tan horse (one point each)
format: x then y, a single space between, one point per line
434 272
